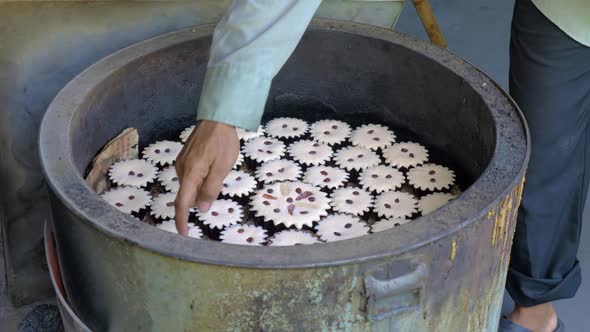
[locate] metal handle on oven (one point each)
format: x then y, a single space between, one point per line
394 288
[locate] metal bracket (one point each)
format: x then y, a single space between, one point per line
394 288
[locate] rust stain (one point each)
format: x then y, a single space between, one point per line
453 250
491 215
504 217
501 225
515 199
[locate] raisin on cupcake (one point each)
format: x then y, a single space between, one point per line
380 178
405 155
130 200
133 172
352 200
163 206
295 204
326 177
262 149
238 185
355 158
338 227
169 180
431 177
310 153
286 129
372 137
247 235
222 213
278 170
162 152
396 204
331 132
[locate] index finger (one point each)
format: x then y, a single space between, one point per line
185 199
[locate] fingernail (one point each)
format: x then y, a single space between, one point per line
203 206
182 229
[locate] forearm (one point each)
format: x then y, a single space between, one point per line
250 44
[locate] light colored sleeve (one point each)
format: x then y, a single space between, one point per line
250 44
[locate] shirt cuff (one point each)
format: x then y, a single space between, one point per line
234 95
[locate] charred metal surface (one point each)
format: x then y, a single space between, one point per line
442 272
43 45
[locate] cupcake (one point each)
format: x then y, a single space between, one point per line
326 177
372 136
386 224
245 135
290 204
168 226
133 172
395 204
194 231
239 162
310 153
293 237
278 170
431 177
238 185
351 200
184 135
247 235
381 178
405 155
286 129
169 180
338 227
431 202
356 158
130 200
223 213
262 149
331 132
163 206
162 152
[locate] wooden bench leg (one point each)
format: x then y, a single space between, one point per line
430 25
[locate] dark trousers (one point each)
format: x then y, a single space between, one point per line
550 81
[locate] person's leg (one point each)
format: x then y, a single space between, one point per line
550 81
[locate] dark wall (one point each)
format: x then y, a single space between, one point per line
42 47
476 30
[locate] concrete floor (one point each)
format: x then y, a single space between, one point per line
478 31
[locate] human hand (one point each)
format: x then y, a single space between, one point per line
207 157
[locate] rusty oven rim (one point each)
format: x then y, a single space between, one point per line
505 171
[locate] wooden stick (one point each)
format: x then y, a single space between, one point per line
429 22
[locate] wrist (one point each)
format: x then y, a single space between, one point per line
216 124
